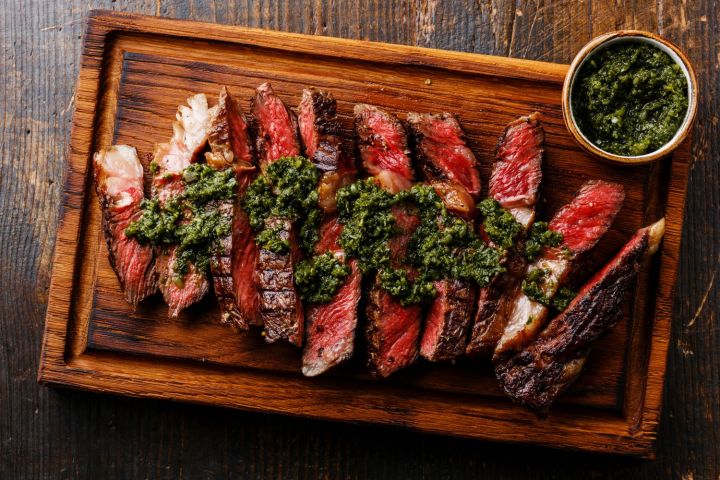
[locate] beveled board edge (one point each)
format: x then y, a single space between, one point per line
113 373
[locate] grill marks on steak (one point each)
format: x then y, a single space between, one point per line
190 135
447 320
330 329
582 222
383 148
230 147
392 331
441 151
279 303
514 184
275 125
535 376
119 186
320 135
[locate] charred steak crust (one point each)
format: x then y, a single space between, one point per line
280 307
275 126
447 320
320 129
535 376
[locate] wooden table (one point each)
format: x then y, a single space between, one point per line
47 433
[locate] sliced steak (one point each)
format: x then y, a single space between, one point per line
582 222
279 303
280 306
230 147
320 135
383 148
538 374
392 330
442 152
514 184
119 186
447 320
190 134
275 125
330 328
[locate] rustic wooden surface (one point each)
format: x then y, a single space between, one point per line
49 434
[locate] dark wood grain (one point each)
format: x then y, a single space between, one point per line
50 434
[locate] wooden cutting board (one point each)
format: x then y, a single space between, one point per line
136 70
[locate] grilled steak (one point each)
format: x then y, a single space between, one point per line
190 133
330 329
230 147
382 146
320 135
538 374
119 186
275 125
392 331
441 150
514 185
582 222
279 303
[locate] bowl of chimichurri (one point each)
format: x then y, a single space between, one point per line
629 97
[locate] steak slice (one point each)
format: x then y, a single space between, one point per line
230 148
275 125
280 306
330 329
320 135
442 152
447 320
537 375
382 146
279 303
119 186
190 134
392 330
514 184
582 222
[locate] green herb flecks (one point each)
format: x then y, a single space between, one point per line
288 189
499 224
532 286
541 236
319 278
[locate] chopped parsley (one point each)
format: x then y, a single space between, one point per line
189 219
499 224
320 277
532 286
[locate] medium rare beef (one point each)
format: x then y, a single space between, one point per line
514 184
441 151
383 148
392 330
230 147
279 303
446 322
119 186
582 223
280 307
538 374
320 135
190 134
444 159
275 125
330 328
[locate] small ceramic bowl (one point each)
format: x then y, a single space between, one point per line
612 38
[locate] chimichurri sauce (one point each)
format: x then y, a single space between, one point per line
630 98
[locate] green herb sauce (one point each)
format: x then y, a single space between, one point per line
443 246
499 224
288 189
541 236
630 99
532 287
320 277
188 220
